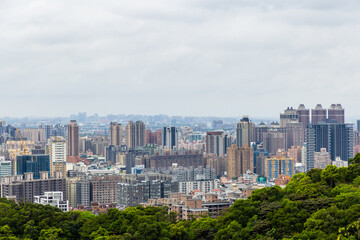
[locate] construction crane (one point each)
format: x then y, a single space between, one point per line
22 143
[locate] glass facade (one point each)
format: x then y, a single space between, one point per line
32 163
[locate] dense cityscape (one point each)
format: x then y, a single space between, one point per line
191 165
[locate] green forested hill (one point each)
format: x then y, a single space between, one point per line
322 204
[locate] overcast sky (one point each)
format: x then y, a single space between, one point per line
191 58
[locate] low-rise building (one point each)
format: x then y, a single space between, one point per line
340 163
54 199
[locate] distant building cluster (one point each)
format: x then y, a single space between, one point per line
194 166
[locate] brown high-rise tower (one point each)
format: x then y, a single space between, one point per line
135 134
303 115
318 114
239 160
337 113
73 138
115 134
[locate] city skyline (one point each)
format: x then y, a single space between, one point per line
190 58
258 119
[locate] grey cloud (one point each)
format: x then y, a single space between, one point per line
201 57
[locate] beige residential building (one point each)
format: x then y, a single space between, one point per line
216 162
244 132
115 134
135 134
239 160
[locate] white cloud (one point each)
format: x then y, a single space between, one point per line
198 57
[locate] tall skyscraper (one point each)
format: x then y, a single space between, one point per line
337 138
217 142
303 116
259 155
153 137
358 125
244 132
295 134
170 137
57 151
239 160
336 113
318 114
289 115
274 140
135 134
32 164
73 138
115 134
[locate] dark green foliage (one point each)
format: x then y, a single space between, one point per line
321 204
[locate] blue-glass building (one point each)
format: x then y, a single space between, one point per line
33 163
337 138
259 156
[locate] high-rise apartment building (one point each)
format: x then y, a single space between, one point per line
35 135
78 191
244 132
217 142
57 151
216 162
115 134
295 134
33 164
337 138
134 193
289 115
276 166
167 161
103 189
303 116
153 138
239 160
259 155
73 138
135 134
336 113
25 188
318 114
274 140
170 137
